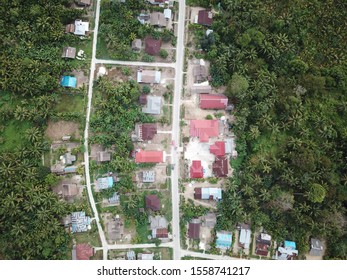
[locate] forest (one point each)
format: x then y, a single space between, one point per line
32 38
284 67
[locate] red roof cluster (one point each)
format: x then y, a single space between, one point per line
149 156
196 170
84 251
213 101
218 148
204 129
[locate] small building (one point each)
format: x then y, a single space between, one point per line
152 202
69 52
81 27
130 256
230 147
199 73
136 45
157 19
194 229
105 183
143 17
288 252
145 132
103 156
209 220
143 99
196 169
201 88
263 243
157 222
160 233
167 14
204 129
68 81
82 252
220 167
153 106
224 240
213 101
317 248
79 222
145 256
68 158
218 148
83 3
245 236
114 199
148 76
142 156
152 46
205 17
148 176
208 193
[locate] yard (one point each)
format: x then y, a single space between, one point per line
12 134
91 236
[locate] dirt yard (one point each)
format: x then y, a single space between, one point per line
160 142
82 79
160 177
56 130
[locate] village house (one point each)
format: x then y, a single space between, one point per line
220 167
82 252
218 148
167 14
245 236
263 243
130 255
79 222
143 17
68 158
69 52
81 27
205 17
69 191
157 19
287 252
144 132
148 176
194 229
204 129
153 105
152 46
158 226
157 2
114 199
105 183
213 101
196 169
208 193
148 76
201 88
152 202
142 156
136 45
224 240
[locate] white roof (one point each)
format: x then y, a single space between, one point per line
81 27
167 13
265 236
245 237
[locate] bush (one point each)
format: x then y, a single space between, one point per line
146 89
147 58
164 54
209 117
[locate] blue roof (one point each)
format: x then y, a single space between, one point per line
68 81
224 240
216 193
105 182
289 244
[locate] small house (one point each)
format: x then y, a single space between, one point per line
245 236
69 52
82 252
130 256
79 222
208 193
224 240
145 256
103 156
287 252
213 101
196 169
136 45
194 229
145 132
115 228
68 158
158 226
148 76
209 220
205 17
218 148
148 176
204 129
69 190
152 46
153 106
152 202
157 19
142 156
167 14
69 81
199 73
114 199
201 88
83 3
105 183
220 167
263 243
81 27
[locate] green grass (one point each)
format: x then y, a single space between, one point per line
91 237
70 103
143 232
13 134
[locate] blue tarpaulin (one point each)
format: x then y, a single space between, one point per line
68 81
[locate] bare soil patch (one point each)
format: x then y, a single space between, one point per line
56 130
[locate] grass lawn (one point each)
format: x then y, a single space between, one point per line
143 232
68 103
12 134
91 237
102 51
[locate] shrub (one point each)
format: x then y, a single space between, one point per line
209 117
146 89
164 54
147 58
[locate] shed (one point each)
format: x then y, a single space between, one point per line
143 99
69 81
69 52
152 202
131 255
70 169
136 45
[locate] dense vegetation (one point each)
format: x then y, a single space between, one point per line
32 37
284 64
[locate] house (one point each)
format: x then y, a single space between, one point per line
131 255
81 27
288 252
245 236
204 129
136 45
145 256
69 52
196 170
157 19
152 202
316 247
213 101
152 46
218 148
153 106
205 17
224 240
68 81
194 229
148 76
145 131
157 222
201 88
208 193
105 183
148 176
142 156
263 243
114 199
68 158
82 252
167 13
84 3
103 156
115 228
209 220
160 233
199 73
79 222
220 167
69 190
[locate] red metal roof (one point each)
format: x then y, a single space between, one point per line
153 202
149 156
197 193
148 131
213 101
162 233
205 17
218 148
152 46
220 167
84 251
196 170
262 249
204 129
194 230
